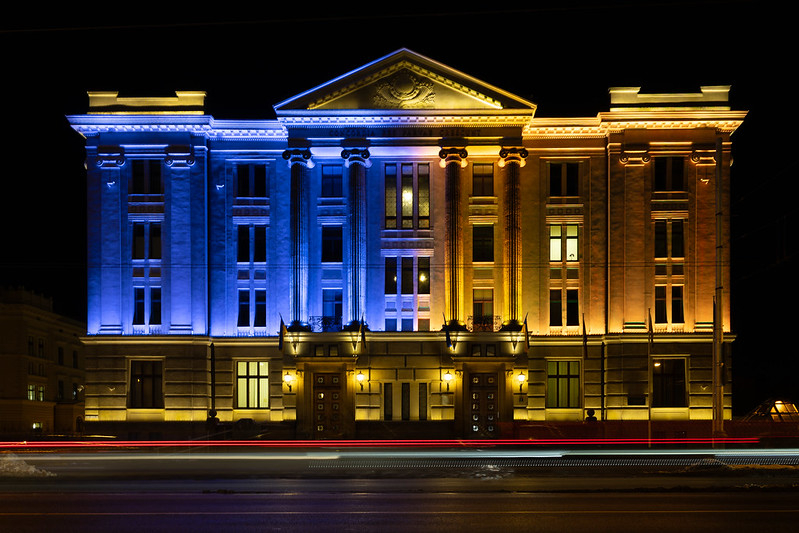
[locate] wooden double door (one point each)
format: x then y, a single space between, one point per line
483 414
328 405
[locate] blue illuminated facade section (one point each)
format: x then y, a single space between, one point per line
189 230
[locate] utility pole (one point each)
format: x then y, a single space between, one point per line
718 300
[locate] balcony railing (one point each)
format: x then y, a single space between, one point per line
325 323
483 323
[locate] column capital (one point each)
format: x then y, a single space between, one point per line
356 155
512 155
109 157
179 157
300 156
453 155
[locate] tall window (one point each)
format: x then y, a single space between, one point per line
564 256
483 243
155 306
251 243
668 383
563 384
251 180
407 195
146 177
146 240
407 291
146 384
564 179
483 179
669 271
252 384
669 174
391 275
252 308
483 309
332 251
332 181
138 306
331 309
564 243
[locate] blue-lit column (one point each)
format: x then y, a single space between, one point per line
512 159
357 161
299 161
106 229
453 159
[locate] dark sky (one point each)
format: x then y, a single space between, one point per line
563 55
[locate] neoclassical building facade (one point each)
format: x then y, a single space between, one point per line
406 251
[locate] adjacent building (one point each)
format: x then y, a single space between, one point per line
41 367
406 251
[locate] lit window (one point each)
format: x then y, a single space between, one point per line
407 283
669 251
563 384
252 384
407 196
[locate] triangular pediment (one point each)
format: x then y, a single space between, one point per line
405 81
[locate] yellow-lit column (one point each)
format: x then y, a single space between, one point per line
453 159
512 159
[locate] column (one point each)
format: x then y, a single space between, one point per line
453 159
357 161
299 161
512 159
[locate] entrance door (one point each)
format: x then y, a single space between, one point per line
484 412
327 404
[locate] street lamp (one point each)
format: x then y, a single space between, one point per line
361 377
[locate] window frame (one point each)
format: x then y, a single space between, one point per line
569 378
252 376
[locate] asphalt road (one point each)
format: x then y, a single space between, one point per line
397 490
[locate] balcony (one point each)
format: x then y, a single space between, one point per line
483 323
325 323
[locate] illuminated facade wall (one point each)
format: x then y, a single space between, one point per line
437 253
41 367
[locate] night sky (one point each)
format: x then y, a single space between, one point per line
561 55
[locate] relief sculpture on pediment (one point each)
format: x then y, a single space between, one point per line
403 90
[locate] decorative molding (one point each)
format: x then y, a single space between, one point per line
393 70
403 90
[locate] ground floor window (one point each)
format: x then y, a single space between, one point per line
668 383
252 384
563 384
146 384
